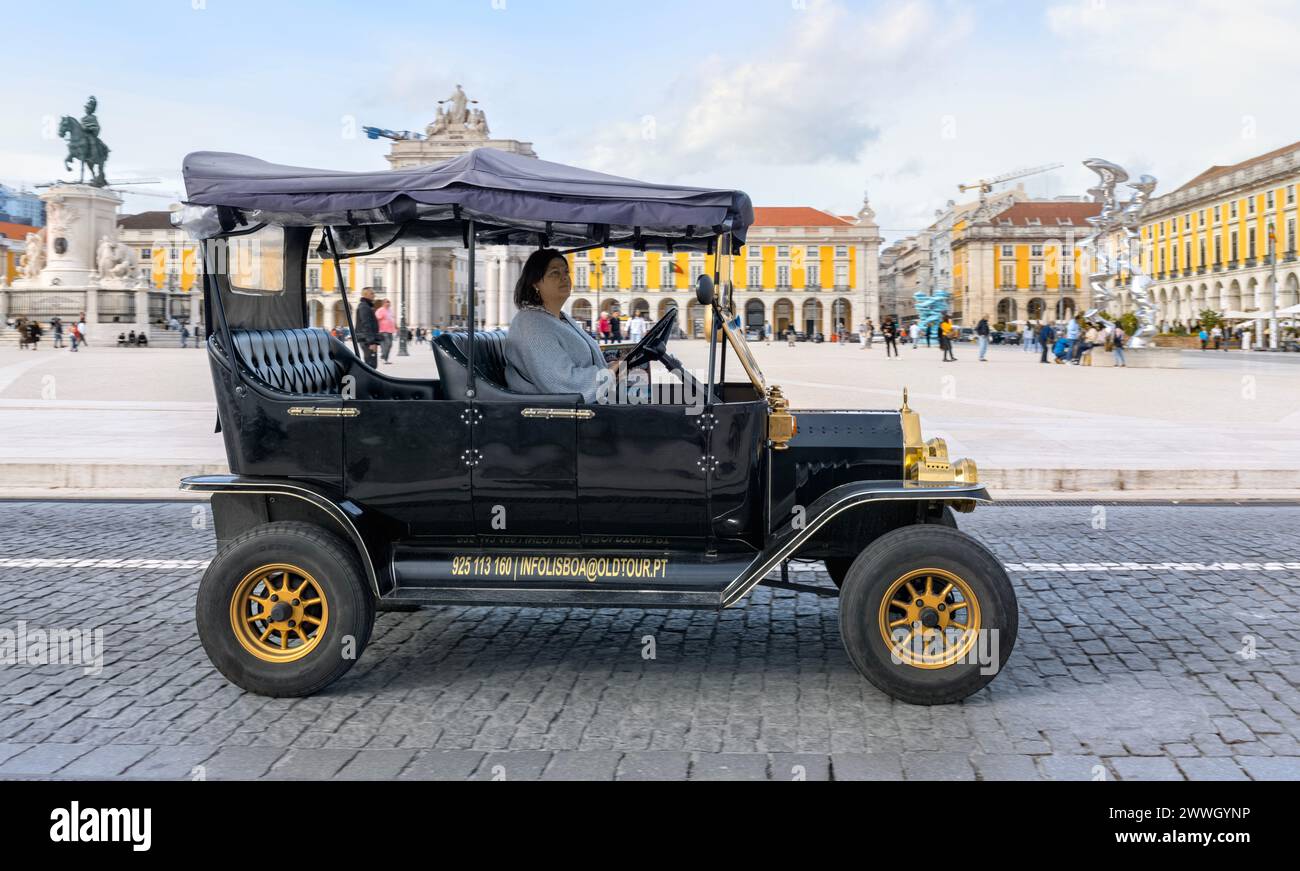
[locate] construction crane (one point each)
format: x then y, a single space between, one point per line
985 185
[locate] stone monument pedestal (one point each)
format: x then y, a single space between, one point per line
77 216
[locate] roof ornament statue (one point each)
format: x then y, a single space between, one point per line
85 145
866 214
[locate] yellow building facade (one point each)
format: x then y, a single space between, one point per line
1021 264
1223 239
801 268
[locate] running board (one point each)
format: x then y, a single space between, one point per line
627 579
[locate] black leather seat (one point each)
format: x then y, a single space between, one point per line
311 362
291 361
451 353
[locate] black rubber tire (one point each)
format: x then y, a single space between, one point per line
838 567
334 565
926 545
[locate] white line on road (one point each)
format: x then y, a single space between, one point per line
1155 567
75 563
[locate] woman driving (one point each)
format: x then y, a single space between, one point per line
546 351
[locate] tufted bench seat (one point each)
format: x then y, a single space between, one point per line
311 362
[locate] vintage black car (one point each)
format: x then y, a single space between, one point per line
351 491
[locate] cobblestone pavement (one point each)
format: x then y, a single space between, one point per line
1144 671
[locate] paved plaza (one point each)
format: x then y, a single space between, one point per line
108 419
1155 643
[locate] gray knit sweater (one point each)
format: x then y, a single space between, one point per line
545 354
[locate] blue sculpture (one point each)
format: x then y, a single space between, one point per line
930 308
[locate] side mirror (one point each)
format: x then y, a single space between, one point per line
704 290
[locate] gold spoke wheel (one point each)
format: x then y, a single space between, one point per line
279 612
929 618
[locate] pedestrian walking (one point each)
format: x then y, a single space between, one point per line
56 327
185 336
1072 333
945 339
1118 338
789 336
615 327
914 334
1204 336
982 336
387 328
1046 334
602 326
890 329
1216 333
367 328
636 327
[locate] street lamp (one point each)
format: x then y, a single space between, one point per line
402 311
1273 342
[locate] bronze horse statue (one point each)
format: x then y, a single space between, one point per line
88 149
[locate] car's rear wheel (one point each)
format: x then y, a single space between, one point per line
284 609
928 614
838 567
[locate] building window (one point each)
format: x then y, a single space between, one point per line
667 279
1290 235
697 269
313 278
1036 251
813 252
638 276
1269 199
1008 251
1008 276
609 275
1187 221
1250 243
1250 205
377 279
1234 247
782 250
841 276
814 275
1201 215
580 273
783 276
1036 275
754 251
841 250
755 276
146 253
1218 249
1216 214
1290 194
1232 209
1067 277
1202 261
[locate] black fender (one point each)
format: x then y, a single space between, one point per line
787 540
347 518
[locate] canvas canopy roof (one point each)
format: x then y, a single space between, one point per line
513 200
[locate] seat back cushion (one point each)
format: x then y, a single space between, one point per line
297 362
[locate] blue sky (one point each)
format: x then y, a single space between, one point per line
797 103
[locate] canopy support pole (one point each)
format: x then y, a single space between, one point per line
343 290
473 317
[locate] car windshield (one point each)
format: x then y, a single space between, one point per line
736 338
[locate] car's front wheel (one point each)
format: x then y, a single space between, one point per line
928 614
284 609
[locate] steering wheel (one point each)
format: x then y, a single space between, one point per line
654 344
